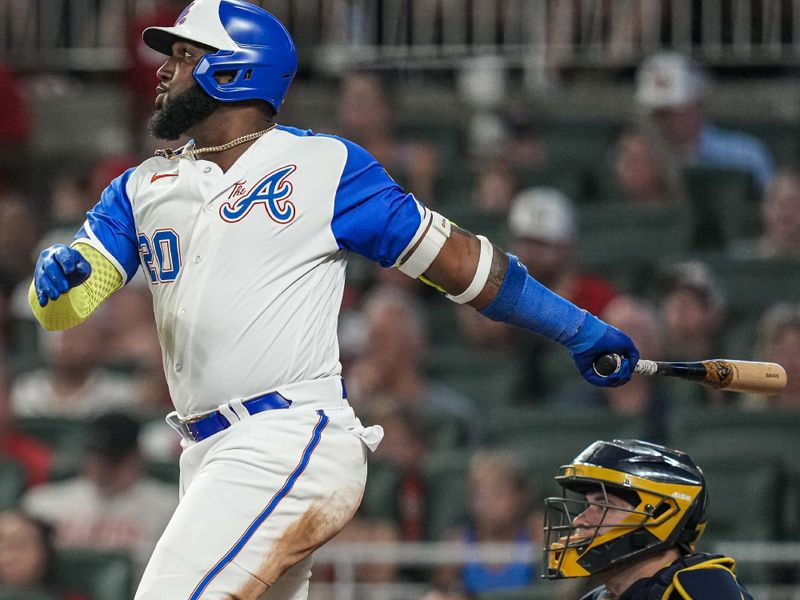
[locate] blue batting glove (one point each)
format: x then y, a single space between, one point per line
59 269
596 338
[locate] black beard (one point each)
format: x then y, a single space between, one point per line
181 113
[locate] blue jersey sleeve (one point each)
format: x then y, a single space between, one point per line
111 224
372 215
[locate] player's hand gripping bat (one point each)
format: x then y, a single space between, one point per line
729 375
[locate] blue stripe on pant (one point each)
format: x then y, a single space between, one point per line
268 510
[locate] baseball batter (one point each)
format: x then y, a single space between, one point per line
243 236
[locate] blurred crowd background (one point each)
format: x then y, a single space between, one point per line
642 158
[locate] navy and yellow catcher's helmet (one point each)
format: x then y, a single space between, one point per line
667 492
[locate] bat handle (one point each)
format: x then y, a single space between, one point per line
610 363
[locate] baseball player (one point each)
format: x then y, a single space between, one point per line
642 510
243 235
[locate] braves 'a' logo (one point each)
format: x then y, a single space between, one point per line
272 190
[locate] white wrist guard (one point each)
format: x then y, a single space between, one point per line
431 235
481 274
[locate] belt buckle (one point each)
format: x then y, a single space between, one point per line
182 426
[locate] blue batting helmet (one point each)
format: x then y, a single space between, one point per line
250 43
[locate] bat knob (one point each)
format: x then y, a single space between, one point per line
607 364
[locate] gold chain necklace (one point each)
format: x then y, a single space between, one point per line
180 153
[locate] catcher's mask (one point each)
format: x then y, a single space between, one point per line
665 505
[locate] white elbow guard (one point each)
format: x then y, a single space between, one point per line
481 274
429 239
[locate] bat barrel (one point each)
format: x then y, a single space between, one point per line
745 376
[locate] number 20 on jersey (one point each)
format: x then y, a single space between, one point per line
161 255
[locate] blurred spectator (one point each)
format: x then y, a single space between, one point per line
15 129
524 146
494 189
404 446
362 530
642 397
129 327
779 341
693 311
27 557
19 335
643 175
544 231
77 190
73 384
144 61
34 456
391 366
780 214
501 511
485 335
366 116
18 236
111 505
544 235
7 285
672 90
437 594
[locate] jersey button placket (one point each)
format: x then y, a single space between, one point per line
178 364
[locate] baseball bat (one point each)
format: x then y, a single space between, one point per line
722 374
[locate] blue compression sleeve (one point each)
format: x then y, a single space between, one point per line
526 303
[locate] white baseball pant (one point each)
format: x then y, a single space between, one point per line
257 499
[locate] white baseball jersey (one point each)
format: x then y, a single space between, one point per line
247 273
247 267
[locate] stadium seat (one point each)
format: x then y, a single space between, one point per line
445 475
8 593
484 377
791 507
575 181
751 451
768 434
580 141
98 574
441 324
380 494
61 434
724 206
564 433
541 590
166 471
56 432
753 285
625 242
12 483
781 138
544 439
745 497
